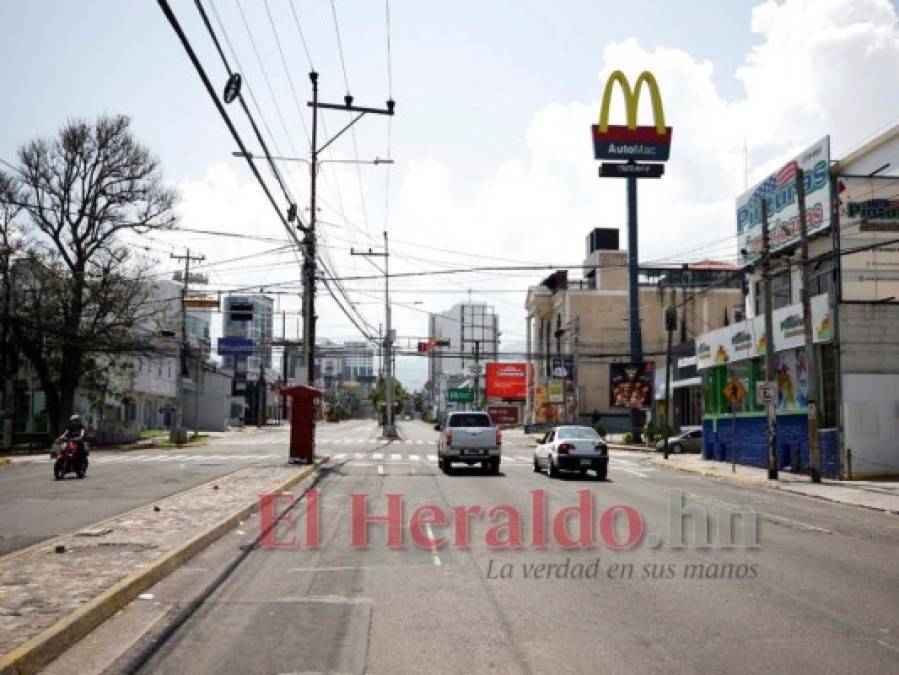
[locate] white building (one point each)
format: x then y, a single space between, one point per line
473 333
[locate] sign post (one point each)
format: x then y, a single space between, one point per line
735 393
632 144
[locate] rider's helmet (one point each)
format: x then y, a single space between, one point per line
75 418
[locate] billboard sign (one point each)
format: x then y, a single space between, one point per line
233 346
779 189
503 414
507 381
869 228
630 384
632 142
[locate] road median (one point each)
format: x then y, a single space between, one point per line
54 593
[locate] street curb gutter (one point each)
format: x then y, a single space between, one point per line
31 656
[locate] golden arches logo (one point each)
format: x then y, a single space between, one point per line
632 100
632 142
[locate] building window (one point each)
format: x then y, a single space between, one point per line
781 290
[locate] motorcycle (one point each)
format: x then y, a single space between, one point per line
70 458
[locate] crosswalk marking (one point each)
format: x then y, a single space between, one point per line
377 455
340 455
414 458
395 456
432 458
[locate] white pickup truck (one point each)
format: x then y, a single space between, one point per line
470 438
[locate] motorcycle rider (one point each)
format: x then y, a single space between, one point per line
75 431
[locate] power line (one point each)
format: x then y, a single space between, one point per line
243 104
167 10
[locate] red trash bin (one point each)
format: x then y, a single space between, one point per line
304 404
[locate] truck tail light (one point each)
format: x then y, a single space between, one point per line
499 437
564 448
448 435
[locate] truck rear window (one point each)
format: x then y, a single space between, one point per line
472 420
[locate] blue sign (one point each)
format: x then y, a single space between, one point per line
233 346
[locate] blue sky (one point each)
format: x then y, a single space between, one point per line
494 101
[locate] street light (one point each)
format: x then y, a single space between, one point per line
375 161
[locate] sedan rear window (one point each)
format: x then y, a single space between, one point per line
575 433
470 420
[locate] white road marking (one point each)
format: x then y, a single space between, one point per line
396 457
432 458
377 455
419 442
340 455
414 458
380 469
636 473
434 557
359 455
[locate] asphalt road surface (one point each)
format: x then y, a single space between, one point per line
816 590
34 506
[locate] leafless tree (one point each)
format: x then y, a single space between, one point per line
82 293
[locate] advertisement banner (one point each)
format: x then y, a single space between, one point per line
556 391
503 414
746 339
869 225
507 381
630 384
783 209
792 380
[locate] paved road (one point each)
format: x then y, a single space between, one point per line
818 593
34 507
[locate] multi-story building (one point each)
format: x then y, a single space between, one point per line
249 316
853 225
472 330
578 339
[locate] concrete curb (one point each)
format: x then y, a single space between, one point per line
662 464
750 482
31 656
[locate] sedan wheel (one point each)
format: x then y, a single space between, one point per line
552 470
536 465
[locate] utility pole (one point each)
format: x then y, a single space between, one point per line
477 373
670 327
309 238
811 369
769 341
178 434
284 355
387 344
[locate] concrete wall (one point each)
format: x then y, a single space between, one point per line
869 356
215 403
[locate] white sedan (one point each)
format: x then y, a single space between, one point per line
572 448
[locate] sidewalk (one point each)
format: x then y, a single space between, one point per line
879 495
54 592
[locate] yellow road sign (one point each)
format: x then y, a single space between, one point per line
734 391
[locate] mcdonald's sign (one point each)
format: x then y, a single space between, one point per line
631 142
